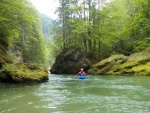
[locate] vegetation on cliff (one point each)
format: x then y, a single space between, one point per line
100 28
135 64
20 37
103 28
70 61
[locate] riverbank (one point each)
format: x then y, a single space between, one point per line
18 72
135 64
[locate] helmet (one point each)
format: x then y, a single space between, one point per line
81 69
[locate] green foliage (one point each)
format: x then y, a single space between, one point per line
20 29
47 24
102 31
49 29
143 44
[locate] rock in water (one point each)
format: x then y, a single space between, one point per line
70 61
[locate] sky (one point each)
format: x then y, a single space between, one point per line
47 7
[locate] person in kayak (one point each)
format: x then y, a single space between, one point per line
81 73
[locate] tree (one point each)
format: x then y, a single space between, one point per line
104 28
47 25
20 29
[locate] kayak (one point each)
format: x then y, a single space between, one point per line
81 77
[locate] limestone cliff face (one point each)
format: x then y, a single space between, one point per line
136 64
70 61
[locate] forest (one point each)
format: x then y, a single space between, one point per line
101 28
104 27
20 29
42 59
22 46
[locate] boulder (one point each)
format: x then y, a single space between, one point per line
70 61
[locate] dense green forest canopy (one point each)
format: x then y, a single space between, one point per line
20 29
52 49
103 28
99 27
47 25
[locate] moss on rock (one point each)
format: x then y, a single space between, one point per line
70 61
136 64
108 65
19 73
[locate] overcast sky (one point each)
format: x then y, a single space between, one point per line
47 7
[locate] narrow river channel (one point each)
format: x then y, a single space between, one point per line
66 94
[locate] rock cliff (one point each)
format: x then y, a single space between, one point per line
70 61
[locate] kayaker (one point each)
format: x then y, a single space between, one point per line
81 73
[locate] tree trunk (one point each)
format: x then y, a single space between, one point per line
90 47
94 48
99 50
85 45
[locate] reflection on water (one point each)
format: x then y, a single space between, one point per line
66 94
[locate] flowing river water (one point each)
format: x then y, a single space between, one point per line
66 94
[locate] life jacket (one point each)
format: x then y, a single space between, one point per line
81 73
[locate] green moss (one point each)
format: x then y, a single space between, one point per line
140 56
115 69
113 58
19 73
136 64
140 74
92 71
111 72
148 68
127 71
110 65
139 68
144 68
128 64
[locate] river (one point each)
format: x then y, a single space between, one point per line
66 94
